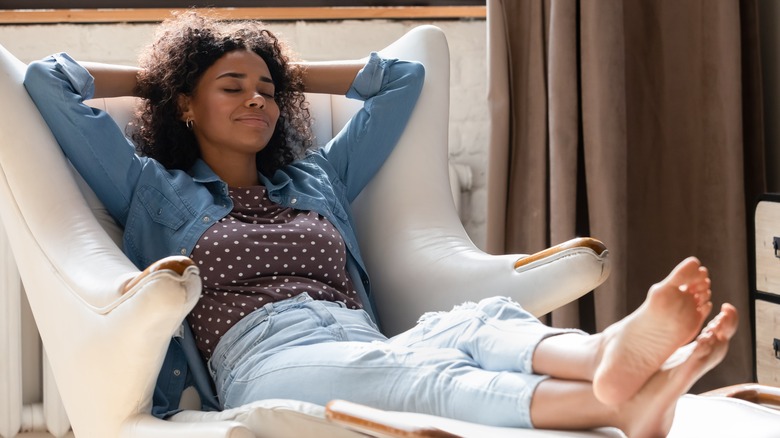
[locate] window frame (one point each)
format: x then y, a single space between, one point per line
180 4
120 11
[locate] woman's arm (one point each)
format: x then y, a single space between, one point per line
389 89
89 137
112 80
330 77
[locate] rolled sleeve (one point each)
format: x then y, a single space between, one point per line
368 81
79 78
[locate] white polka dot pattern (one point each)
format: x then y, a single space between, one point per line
260 253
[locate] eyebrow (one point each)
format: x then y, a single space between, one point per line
242 76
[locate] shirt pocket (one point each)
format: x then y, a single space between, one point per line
160 209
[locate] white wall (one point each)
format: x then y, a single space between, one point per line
120 43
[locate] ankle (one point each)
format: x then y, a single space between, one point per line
598 344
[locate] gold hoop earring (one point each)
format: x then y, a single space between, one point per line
189 124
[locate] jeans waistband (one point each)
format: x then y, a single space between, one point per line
248 322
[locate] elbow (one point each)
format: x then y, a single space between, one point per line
36 71
420 74
417 72
413 76
36 76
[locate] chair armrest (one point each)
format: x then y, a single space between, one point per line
443 271
175 264
386 424
564 273
585 243
125 346
124 341
375 422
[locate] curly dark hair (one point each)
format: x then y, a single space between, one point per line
184 48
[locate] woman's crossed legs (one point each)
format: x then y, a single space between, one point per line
489 362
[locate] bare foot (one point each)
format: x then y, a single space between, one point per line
634 348
651 412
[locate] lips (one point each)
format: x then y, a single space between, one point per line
254 120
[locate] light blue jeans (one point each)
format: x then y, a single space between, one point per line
472 363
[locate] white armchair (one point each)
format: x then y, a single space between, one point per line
105 326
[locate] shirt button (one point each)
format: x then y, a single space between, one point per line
184 251
293 200
177 373
206 218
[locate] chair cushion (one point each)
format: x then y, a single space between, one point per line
275 418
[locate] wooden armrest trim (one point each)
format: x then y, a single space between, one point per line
177 264
579 242
768 396
369 420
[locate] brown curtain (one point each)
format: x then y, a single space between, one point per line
637 122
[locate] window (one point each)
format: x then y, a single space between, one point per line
107 11
123 4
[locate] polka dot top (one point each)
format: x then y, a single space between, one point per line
261 253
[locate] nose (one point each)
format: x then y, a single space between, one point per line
256 101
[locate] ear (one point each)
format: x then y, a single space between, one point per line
183 101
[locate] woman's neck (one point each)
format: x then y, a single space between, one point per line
247 181
236 173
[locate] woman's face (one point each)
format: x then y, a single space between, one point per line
232 108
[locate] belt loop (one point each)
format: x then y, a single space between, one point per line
211 370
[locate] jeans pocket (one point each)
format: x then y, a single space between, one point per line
356 324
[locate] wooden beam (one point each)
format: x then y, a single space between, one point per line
39 16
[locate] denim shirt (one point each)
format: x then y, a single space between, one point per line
164 212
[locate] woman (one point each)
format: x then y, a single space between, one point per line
225 174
